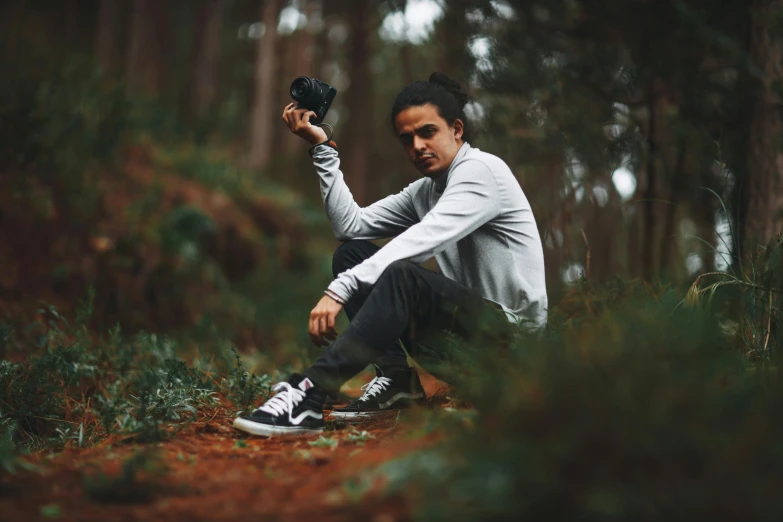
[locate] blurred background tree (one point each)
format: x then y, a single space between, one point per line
645 134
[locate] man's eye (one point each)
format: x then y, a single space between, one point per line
428 132
406 140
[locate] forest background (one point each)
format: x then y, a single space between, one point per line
146 178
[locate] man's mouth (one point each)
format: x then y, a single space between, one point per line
424 159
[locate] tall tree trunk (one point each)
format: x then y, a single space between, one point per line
106 34
360 127
71 23
205 69
264 99
668 239
406 61
454 58
650 192
765 162
147 47
136 40
301 62
13 24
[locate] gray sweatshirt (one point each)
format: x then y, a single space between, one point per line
474 219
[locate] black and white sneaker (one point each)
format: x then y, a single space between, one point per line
400 390
297 408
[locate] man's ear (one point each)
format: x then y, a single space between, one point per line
459 128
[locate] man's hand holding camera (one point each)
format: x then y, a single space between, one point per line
312 101
298 120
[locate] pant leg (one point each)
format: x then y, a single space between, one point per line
406 299
348 255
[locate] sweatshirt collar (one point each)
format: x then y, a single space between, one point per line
442 180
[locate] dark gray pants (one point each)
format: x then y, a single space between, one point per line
407 303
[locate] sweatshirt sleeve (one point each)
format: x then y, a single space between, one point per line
470 200
385 218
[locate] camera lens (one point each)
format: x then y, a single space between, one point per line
301 88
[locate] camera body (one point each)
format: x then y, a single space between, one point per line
313 95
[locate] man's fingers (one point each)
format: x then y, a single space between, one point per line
322 322
312 329
305 116
330 326
322 329
316 329
287 111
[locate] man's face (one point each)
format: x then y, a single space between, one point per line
430 142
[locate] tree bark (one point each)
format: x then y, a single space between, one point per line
651 189
148 47
454 58
71 23
261 137
301 61
765 162
106 34
136 39
360 124
205 69
669 263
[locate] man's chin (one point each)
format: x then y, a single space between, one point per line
431 171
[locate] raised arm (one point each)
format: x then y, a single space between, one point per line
385 218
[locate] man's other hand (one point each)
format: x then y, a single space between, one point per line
298 120
322 320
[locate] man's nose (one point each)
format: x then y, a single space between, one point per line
418 143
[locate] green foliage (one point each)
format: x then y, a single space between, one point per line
8 458
357 437
59 118
748 300
244 388
50 511
325 442
80 389
639 411
186 231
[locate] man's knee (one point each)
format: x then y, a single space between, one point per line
349 254
399 268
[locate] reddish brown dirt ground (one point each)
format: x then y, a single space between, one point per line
213 472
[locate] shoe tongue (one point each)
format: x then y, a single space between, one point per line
378 371
306 384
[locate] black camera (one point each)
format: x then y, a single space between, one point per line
313 95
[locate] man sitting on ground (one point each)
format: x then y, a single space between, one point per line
468 211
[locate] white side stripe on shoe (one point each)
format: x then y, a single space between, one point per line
308 413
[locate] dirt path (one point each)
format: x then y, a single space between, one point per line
213 472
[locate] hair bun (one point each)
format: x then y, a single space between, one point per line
452 86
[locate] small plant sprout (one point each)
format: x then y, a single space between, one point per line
357 437
325 442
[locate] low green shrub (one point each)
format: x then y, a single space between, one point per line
641 410
80 389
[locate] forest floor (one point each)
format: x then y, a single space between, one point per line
210 471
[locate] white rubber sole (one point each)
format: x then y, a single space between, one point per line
345 415
265 430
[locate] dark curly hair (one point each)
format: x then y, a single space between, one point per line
441 91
